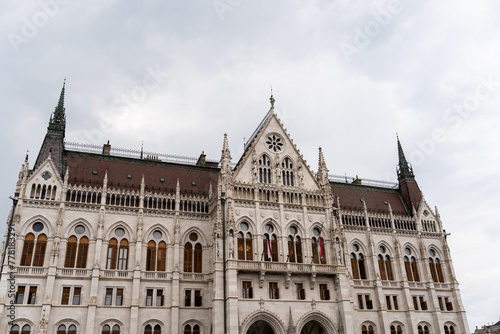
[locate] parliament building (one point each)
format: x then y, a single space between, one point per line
115 241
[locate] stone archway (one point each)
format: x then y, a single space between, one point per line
313 327
260 327
262 322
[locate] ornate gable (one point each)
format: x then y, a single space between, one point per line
272 157
45 182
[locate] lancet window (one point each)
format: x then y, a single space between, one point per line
34 246
385 265
411 267
357 263
294 246
287 172
193 254
117 257
156 255
318 247
245 249
270 244
435 267
265 169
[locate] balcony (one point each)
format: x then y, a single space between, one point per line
30 271
74 272
283 267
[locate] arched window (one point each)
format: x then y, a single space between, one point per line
265 169
106 329
318 247
192 329
117 256
76 251
287 172
156 258
357 263
112 252
35 243
270 244
245 248
411 267
123 255
396 329
26 329
116 329
62 329
29 246
423 329
15 329
385 265
294 246
367 329
449 329
435 267
193 260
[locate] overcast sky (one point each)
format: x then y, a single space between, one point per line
346 76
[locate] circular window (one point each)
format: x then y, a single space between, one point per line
244 226
120 232
157 234
269 228
432 252
355 247
193 237
37 227
80 229
382 249
293 230
274 143
46 176
408 251
316 232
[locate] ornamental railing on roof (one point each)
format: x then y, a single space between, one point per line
365 182
134 154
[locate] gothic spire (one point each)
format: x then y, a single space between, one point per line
322 169
225 159
405 171
57 124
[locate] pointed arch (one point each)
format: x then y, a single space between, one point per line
270 318
320 317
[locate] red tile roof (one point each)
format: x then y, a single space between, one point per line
193 180
374 197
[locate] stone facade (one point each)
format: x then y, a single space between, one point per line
121 244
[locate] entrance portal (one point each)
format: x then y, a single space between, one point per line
260 327
312 327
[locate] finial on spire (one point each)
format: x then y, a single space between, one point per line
27 155
272 98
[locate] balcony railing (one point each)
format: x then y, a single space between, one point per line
282 267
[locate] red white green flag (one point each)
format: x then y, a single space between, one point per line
321 251
269 251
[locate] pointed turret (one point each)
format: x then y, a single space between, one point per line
410 192
405 171
225 159
322 169
53 144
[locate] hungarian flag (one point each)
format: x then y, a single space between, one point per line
269 251
321 251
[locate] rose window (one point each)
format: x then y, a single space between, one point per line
274 143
